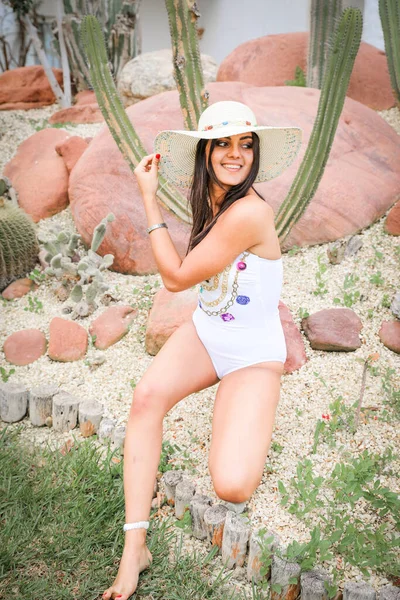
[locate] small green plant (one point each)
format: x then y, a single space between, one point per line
132 383
4 375
37 276
386 303
185 523
34 305
349 297
377 278
167 451
321 289
299 78
294 250
276 447
370 313
303 313
298 412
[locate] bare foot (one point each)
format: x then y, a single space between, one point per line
133 562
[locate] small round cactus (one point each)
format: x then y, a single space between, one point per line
19 247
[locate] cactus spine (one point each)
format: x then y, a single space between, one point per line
19 247
389 11
324 15
116 118
346 44
188 71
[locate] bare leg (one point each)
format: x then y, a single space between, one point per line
181 368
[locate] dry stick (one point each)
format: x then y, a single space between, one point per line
364 377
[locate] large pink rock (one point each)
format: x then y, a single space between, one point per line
24 347
272 60
389 334
333 329
169 311
71 150
360 182
112 325
27 87
68 340
39 174
296 353
80 113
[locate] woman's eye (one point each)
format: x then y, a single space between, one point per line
221 143
248 146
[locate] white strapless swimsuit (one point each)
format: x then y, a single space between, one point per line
237 317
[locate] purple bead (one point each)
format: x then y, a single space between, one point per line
242 299
241 266
227 317
199 303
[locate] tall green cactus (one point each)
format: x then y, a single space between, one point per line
341 60
324 15
182 17
116 118
389 11
19 247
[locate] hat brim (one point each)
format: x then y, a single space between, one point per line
279 147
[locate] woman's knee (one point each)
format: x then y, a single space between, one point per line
146 401
233 487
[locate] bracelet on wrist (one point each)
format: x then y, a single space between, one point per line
149 229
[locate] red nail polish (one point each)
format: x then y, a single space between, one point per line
158 156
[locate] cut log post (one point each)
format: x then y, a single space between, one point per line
171 480
258 542
65 411
13 402
118 437
106 429
312 585
198 507
389 592
184 493
90 415
41 403
235 540
358 590
281 571
214 521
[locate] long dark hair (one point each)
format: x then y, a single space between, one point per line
204 174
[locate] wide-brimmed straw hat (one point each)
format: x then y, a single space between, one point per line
279 146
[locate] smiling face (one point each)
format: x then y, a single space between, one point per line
232 158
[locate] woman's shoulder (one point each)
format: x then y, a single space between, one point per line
252 203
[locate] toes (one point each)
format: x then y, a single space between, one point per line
107 594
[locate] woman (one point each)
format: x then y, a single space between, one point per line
235 335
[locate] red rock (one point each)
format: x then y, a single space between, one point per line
39 174
351 195
85 97
18 288
112 325
68 340
392 223
389 335
296 354
71 150
24 347
27 87
169 311
271 60
80 113
333 329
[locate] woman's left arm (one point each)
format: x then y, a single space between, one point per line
165 254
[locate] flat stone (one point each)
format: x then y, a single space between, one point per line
112 325
333 329
80 113
24 347
389 334
18 288
271 60
39 174
27 87
68 340
71 150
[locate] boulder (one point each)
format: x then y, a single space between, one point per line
389 334
39 174
333 329
151 73
24 347
296 354
272 60
19 288
68 340
112 325
360 182
27 87
169 311
392 223
71 150
85 97
80 113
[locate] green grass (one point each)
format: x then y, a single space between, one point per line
61 531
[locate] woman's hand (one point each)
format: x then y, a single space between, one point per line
147 175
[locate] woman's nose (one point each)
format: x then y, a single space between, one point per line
234 150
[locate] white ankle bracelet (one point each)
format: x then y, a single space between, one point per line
137 525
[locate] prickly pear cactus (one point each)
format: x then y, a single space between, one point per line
19 247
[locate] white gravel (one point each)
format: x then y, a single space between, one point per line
304 398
